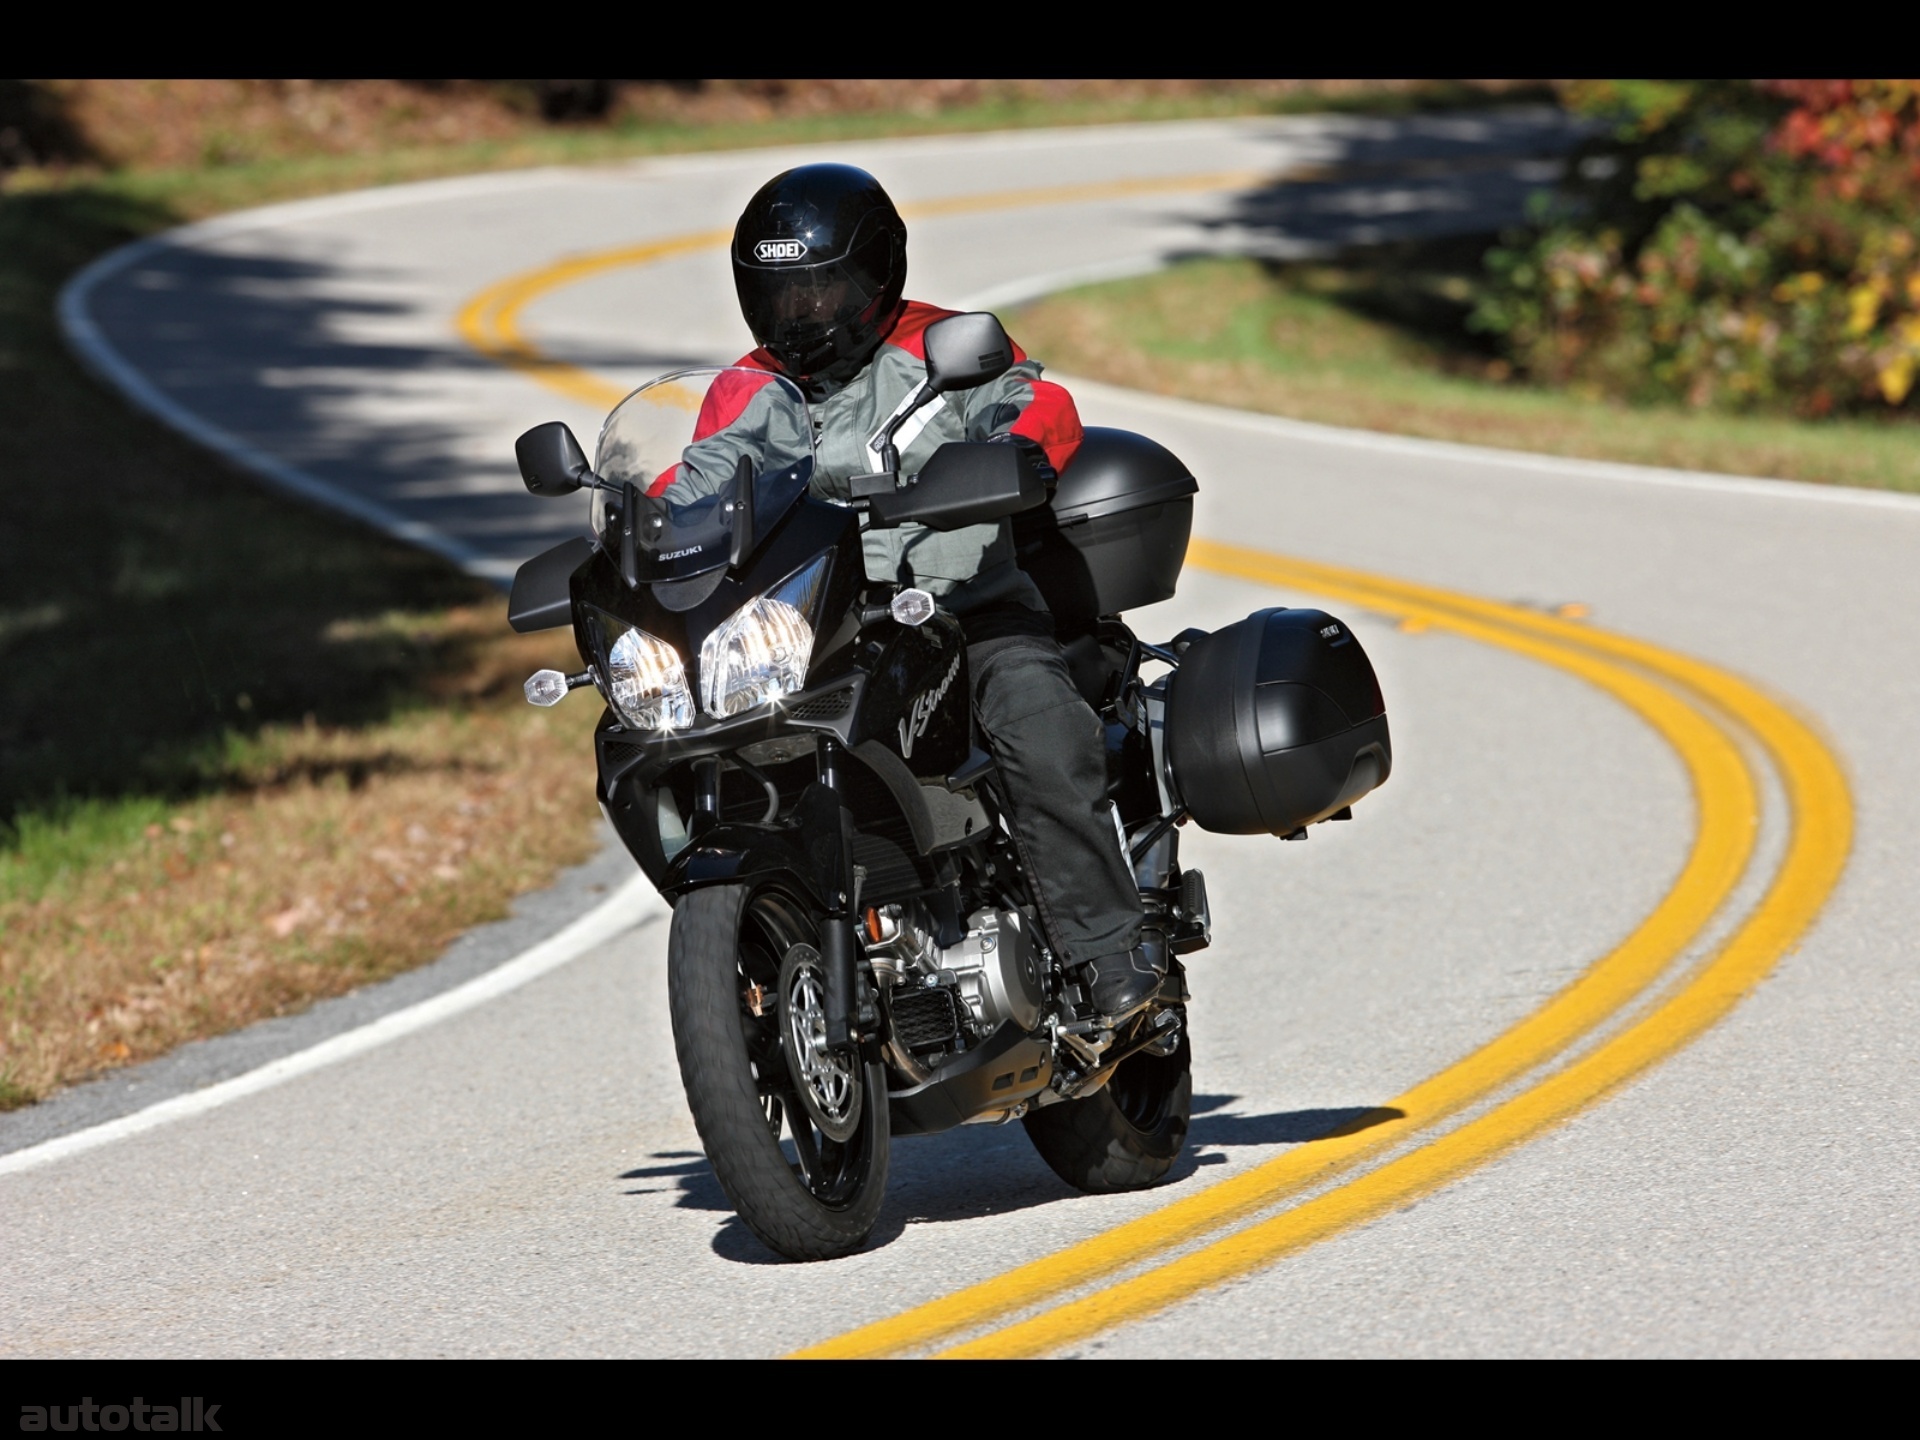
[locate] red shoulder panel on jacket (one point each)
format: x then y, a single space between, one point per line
727 400
1052 420
910 330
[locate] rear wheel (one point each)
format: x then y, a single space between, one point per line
797 1134
1126 1135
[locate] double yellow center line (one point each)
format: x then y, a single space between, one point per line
1078 1292
491 321
1311 1192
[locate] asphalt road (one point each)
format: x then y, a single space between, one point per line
522 1178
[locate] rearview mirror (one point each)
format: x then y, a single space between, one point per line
962 351
966 350
551 460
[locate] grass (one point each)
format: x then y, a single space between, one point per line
251 754
1379 342
330 858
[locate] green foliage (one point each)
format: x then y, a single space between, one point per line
65 836
1729 244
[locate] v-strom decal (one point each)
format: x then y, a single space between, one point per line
914 723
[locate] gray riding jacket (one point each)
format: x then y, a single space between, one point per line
967 569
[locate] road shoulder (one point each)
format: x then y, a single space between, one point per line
201 1063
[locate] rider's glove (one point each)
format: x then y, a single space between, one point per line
1048 474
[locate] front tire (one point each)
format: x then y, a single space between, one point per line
806 1194
1127 1134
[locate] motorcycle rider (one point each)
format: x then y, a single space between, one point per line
819 264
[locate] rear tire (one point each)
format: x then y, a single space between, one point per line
805 1194
1126 1135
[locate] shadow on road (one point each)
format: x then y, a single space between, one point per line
982 1170
1375 181
143 581
1291 1127
341 370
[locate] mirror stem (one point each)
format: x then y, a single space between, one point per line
889 456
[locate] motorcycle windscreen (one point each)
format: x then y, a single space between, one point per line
686 442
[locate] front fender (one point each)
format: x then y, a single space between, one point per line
736 854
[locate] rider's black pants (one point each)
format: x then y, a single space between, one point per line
1047 743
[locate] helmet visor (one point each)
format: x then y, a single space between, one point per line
797 312
809 315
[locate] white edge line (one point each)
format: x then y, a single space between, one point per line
1033 287
630 905
1457 453
627 907
87 341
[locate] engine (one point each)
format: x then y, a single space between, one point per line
942 998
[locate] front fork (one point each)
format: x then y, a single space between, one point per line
825 825
836 931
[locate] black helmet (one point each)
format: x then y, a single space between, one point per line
820 262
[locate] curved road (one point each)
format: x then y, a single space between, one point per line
522 1177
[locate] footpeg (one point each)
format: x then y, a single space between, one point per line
1193 928
1167 1028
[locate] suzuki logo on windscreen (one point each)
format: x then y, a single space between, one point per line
780 250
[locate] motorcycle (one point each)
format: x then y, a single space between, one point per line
789 753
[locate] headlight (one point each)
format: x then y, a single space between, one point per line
763 650
760 654
647 683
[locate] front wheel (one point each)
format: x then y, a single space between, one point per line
796 1133
1127 1134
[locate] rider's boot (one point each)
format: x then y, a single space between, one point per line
1120 985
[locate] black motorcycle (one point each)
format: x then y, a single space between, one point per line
789 753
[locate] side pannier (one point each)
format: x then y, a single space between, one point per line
1274 723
